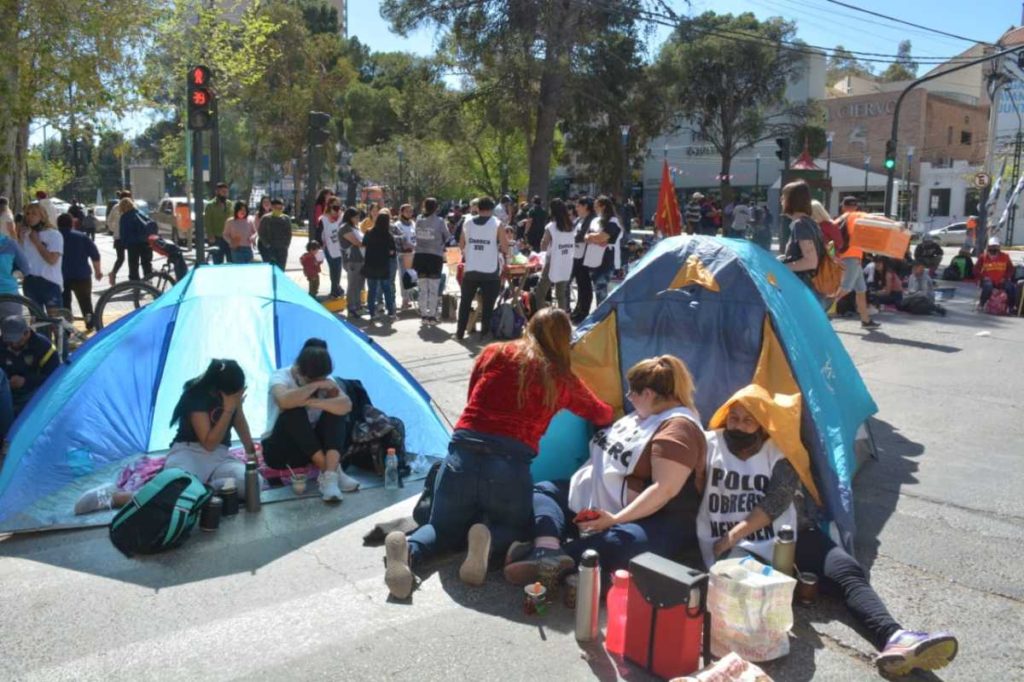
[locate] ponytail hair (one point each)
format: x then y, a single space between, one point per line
223 376
667 376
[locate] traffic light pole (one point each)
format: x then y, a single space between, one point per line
197 196
891 172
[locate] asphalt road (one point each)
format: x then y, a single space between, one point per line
291 593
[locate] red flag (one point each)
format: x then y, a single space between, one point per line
667 218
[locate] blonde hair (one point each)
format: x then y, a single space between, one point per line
125 205
543 353
44 217
666 375
819 213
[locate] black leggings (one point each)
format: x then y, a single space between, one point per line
294 441
489 286
584 290
139 254
82 288
120 251
816 553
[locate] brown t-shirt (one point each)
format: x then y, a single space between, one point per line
679 440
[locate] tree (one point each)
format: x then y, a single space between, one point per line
526 47
903 69
731 91
843 63
427 169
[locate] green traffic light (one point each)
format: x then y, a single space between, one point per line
890 164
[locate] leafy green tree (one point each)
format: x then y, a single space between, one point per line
731 91
427 169
843 63
903 69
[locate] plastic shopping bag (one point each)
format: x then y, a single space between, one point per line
732 668
751 607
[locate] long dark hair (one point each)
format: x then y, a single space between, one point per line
224 376
321 198
260 212
560 214
240 205
605 208
348 215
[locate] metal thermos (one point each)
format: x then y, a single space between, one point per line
252 486
784 552
588 598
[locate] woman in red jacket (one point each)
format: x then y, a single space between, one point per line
514 391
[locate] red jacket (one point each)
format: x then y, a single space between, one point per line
997 268
493 406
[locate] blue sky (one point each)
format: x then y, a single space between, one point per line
818 23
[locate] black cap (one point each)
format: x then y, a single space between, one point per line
589 559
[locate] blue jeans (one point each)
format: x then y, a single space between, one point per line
660 533
334 266
484 479
385 286
1008 286
242 254
225 251
600 279
42 292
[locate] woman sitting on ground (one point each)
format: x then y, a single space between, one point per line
890 286
752 438
209 407
640 490
307 420
514 391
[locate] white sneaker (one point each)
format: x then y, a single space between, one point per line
346 482
329 490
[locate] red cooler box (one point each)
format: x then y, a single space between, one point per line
665 621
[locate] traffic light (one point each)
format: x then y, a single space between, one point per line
201 105
319 133
890 154
782 154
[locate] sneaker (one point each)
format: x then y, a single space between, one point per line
870 324
907 650
523 570
397 574
474 569
329 490
346 482
97 499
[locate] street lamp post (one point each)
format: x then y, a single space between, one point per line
401 178
624 129
757 178
867 163
829 136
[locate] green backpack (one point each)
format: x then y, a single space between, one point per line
161 514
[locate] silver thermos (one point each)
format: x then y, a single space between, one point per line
252 486
588 598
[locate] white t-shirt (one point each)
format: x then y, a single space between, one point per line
332 238
53 240
286 378
560 252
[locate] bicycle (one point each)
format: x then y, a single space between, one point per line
56 324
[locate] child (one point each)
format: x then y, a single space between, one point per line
311 266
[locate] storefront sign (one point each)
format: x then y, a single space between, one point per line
864 110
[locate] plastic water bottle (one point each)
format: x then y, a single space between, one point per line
391 470
618 605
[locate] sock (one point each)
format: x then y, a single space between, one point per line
547 542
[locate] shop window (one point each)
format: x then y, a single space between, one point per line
965 137
938 202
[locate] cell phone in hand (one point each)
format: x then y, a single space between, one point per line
587 515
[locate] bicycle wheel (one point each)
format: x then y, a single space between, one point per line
123 299
160 281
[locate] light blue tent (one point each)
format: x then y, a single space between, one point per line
114 400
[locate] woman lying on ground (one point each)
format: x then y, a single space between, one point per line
514 391
737 519
640 490
209 407
307 420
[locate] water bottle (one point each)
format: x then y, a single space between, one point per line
391 470
618 604
784 552
252 486
588 597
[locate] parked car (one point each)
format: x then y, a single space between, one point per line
171 222
950 235
99 211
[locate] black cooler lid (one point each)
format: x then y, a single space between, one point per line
665 583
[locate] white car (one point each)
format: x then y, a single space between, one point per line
99 211
950 235
169 221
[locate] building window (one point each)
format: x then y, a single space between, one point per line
965 137
971 198
938 202
949 135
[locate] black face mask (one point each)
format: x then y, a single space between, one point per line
993 252
741 442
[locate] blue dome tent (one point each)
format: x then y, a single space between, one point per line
114 401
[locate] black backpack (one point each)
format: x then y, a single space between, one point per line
161 515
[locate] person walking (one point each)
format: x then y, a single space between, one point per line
329 228
851 258
215 218
89 225
81 261
276 232
380 254
428 260
483 240
238 234
114 227
558 243
802 251
135 231
43 246
351 237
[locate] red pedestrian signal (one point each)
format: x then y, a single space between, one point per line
202 107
